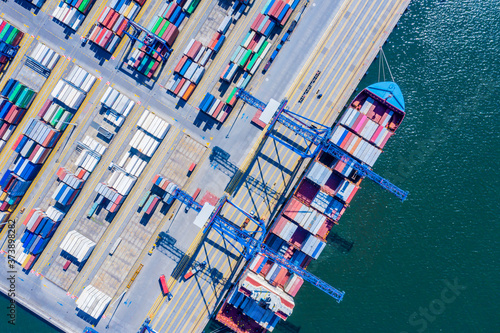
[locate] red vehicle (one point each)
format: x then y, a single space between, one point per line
163 284
194 270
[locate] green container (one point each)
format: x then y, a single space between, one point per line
15 92
164 28
144 198
262 48
12 35
4 31
150 66
245 57
29 98
83 5
192 7
252 62
231 95
235 53
21 98
65 119
55 119
148 203
157 25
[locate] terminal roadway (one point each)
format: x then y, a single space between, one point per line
347 48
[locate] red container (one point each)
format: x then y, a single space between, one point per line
30 214
122 27
195 48
181 63
152 206
66 265
171 11
95 33
196 193
100 36
30 262
179 86
19 138
37 222
257 22
17 39
287 16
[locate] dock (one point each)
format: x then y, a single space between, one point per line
317 71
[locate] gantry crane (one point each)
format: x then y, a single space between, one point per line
318 135
249 243
148 40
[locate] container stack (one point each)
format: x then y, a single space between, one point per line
189 70
33 147
280 10
162 190
146 60
93 302
15 99
214 107
37 3
72 90
11 36
40 227
117 106
68 13
45 56
77 246
111 24
68 189
151 131
166 25
55 115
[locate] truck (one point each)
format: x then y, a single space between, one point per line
164 287
197 267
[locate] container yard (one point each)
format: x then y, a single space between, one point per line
118 157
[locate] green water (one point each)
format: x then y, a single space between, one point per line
445 57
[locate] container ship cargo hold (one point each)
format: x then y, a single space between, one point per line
264 293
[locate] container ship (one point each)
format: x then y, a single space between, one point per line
264 293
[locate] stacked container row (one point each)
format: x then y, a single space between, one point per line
69 15
40 227
117 105
10 36
214 107
45 56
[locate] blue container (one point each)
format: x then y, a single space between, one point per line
6 178
32 239
40 226
6 105
295 3
8 86
179 20
46 228
269 29
61 192
268 8
37 240
40 246
219 43
185 67
283 12
175 14
21 144
25 235
119 5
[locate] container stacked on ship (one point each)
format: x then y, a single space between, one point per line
299 233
